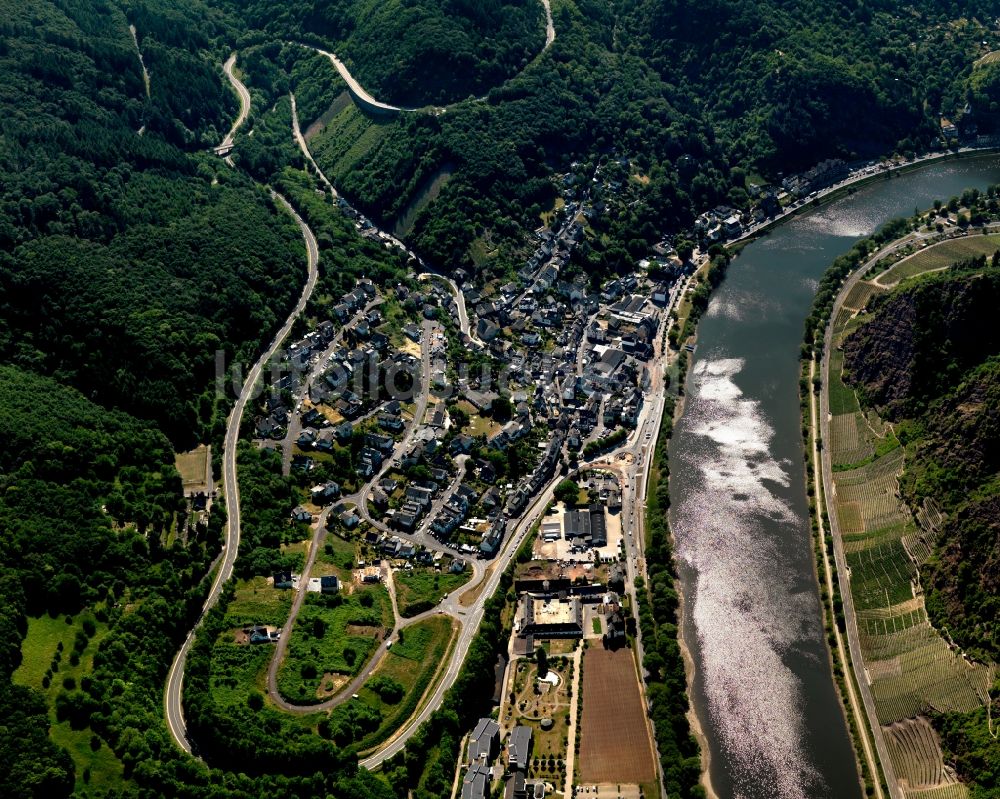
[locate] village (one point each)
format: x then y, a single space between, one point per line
424 425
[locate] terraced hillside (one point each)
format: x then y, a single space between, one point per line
903 463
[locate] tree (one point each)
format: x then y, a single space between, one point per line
542 658
502 409
567 492
685 249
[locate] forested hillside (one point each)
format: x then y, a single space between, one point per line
127 260
775 89
129 256
441 50
785 84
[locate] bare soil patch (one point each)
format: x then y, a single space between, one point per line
614 744
331 684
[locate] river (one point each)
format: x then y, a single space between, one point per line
763 690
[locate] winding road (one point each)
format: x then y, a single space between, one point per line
244 95
363 97
486 580
173 695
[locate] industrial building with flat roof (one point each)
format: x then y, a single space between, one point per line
586 525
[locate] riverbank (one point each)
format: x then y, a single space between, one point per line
852 183
686 319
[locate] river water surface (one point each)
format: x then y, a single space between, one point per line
763 689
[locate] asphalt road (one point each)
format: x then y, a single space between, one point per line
244 96
301 141
173 695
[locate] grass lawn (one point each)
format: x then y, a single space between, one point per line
39 651
333 635
95 763
340 553
420 589
257 602
411 664
481 426
238 669
191 465
548 216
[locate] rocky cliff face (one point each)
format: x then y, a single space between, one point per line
956 460
962 578
923 338
929 359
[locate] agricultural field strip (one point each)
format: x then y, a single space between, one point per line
938 256
916 754
614 746
954 791
861 294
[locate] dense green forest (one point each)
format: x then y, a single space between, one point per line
777 88
128 257
442 50
784 84
929 359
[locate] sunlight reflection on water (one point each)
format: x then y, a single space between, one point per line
742 640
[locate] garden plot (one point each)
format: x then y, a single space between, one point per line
614 744
917 546
877 645
880 622
857 540
544 705
842 397
881 576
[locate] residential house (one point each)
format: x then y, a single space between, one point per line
484 742
519 748
349 520
343 432
616 630
327 492
476 782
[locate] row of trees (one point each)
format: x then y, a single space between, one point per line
666 684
